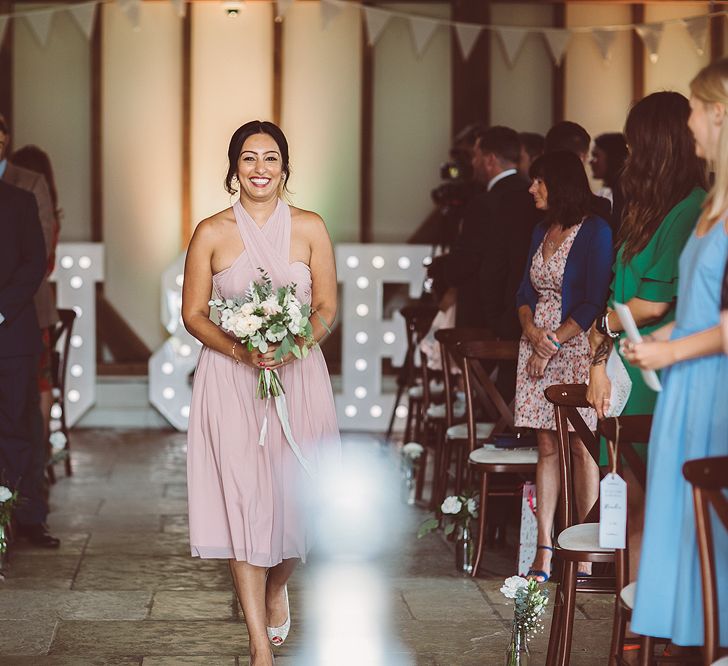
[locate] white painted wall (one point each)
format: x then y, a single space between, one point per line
525 108
142 166
598 92
412 109
232 83
321 114
51 109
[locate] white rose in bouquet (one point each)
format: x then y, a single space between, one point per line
451 505
271 306
242 325
247 309
511 586
5 494
473 506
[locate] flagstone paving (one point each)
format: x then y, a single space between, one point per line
123 590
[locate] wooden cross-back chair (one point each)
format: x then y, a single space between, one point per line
487 460
709 479
418 319
60 348
449 432
577 541
625 432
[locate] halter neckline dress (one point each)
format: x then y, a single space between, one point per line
245 500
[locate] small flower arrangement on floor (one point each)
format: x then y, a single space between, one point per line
411 454
457 510
8 498
530 601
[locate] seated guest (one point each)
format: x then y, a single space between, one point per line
22 267
607 161
503 205
664 182
573 138
563 290
691 419
531 148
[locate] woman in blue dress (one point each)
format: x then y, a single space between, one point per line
691 417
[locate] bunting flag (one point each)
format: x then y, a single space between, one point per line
85 16
376 20
282 7
697 28
180 6
468 34
604 39
422 30
131 9
557 40
40 24
651 34
512 40
329 11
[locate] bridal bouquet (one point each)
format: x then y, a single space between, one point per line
267 316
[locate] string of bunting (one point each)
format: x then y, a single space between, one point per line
422 28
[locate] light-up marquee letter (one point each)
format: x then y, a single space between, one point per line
367 338
79 266
170 366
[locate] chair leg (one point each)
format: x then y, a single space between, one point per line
437 460
443 482
619 627
390 427
51 473
552 654
421 475
411 406
482 515
647 649
459 455
567 625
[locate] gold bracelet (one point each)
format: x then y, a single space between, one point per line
235 344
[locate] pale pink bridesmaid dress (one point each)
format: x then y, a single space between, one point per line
245 500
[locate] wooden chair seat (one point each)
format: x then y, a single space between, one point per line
584 539
418 392
460 431
626 596
492 455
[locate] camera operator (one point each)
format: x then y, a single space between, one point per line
488 257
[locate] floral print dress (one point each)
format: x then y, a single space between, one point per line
570 365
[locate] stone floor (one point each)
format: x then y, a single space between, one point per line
123 589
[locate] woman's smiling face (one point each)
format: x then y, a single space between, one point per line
260 168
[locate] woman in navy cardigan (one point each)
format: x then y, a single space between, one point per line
563 290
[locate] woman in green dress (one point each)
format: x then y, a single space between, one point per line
663 184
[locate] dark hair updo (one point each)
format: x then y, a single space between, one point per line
569 196
238 139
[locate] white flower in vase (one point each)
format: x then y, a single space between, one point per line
511 586
472 506
58 440
5 494
412 450
452 505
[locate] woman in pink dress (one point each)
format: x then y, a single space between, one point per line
245 500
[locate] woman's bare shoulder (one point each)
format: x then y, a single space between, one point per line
216 226
307 221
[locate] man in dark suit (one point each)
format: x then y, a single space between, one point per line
488 260
22 450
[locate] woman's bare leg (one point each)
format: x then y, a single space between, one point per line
548 484
249 583
275 599
586 484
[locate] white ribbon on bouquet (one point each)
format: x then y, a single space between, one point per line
282 409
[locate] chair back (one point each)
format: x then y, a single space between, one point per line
478 357
449 338
61 337
418 319
567 399
709 478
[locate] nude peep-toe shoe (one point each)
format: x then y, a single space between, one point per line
278 635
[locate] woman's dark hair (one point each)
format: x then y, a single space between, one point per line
661 170
239 138
569 196
35 159
615 148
